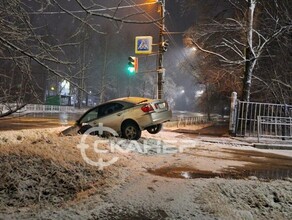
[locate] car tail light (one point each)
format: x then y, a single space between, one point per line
147 108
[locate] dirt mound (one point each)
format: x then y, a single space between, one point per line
32 180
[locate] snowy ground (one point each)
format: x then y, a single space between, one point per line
165 176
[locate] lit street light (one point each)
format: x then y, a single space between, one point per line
199 93
194 49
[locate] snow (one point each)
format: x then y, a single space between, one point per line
125 189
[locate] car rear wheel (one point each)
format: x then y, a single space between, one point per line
131 131
154 129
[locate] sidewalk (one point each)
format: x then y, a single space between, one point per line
220 130
267 143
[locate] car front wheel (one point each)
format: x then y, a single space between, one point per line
83 129
131 131
154 129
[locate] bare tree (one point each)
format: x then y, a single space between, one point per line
242 37
25 41
104 79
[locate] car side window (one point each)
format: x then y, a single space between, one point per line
91 115
110 108
117 107
101 111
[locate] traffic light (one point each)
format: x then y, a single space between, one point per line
164 45
133 64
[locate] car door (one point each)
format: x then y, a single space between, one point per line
110 115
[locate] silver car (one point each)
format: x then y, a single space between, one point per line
127 116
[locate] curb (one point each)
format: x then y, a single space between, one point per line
273 146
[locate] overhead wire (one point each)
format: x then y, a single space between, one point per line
131 4
91 10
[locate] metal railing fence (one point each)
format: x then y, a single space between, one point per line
254 119
48 108
39 108
248 112
274 127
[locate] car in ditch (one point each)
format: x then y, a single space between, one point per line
128 116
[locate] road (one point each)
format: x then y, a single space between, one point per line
202 133
49 120
40 120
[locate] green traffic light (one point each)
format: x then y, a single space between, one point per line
132 65
131 69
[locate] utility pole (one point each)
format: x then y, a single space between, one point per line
161 70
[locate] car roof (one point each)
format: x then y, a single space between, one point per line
134 100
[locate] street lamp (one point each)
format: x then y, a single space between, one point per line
199 93
194 49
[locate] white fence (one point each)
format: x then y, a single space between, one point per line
38 108
182 121
191 120
48 108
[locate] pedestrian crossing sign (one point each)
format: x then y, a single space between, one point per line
143 45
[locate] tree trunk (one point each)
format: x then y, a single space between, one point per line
208 102
103 77
250 58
